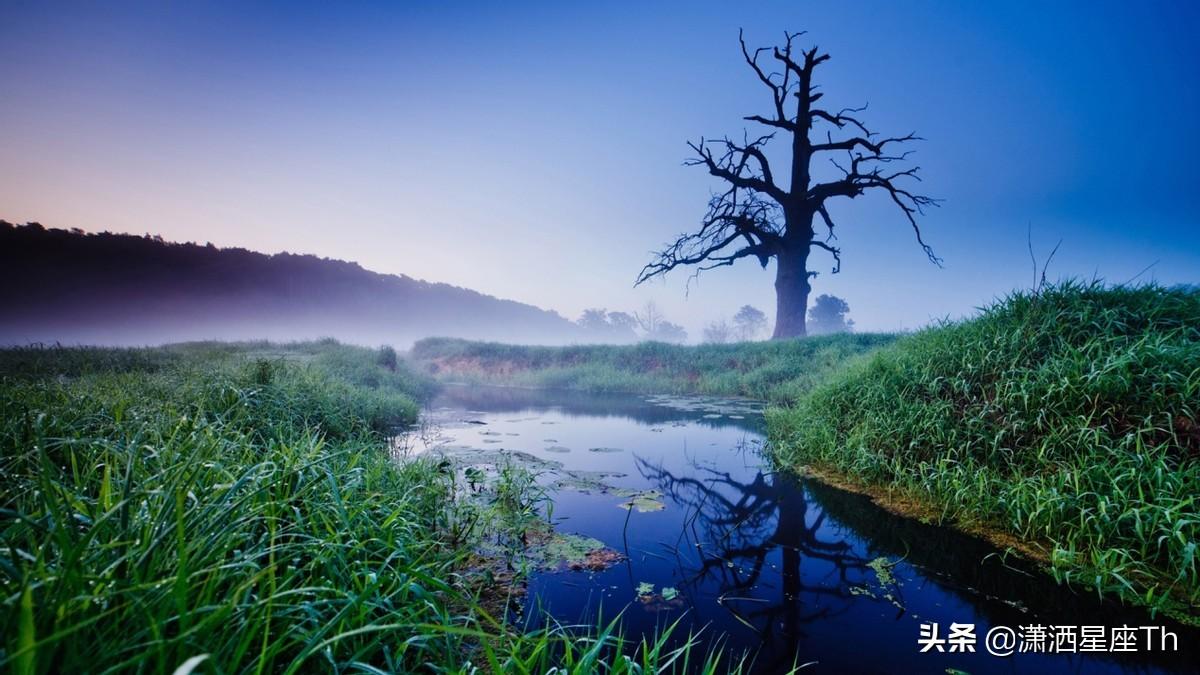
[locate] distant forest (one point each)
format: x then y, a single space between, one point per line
73 287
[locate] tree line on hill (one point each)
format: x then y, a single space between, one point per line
102 288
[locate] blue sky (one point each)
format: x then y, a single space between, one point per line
534 150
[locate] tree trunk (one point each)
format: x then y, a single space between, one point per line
791 292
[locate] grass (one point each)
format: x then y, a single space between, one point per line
235 508
1069 418
165 504
776 370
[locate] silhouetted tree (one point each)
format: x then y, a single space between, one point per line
828 315
749 322
758 216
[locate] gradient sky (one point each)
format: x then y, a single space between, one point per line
533 151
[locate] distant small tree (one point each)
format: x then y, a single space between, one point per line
749 323
612 326
668 332
387 358
593 319
654 325
719 332
828 315
649 318
623 322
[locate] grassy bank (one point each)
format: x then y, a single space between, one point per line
779 370
1069 418
213 499
235 508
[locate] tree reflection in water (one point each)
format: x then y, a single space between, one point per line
729 534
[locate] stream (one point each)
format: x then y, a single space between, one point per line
788 568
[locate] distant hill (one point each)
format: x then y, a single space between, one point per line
73 287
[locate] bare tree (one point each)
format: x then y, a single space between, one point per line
655 326
649 318
760 217
718 332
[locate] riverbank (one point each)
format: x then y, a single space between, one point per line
774 371
1063 424
1067 419
238 506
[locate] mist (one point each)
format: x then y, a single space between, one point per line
69 287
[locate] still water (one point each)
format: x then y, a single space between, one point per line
789 569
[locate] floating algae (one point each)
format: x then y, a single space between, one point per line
587 482
667 599
645 501
606 450
886 581
708 404
553 550
883 571
558 448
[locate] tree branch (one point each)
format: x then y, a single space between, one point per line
749 222
733 166
779 92
858 179
842 118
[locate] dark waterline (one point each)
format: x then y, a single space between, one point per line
786 568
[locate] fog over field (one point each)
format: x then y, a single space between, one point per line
71 288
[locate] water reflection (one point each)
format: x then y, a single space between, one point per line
735 526
789 569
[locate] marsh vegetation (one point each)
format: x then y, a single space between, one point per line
1063 422
238 507
264 506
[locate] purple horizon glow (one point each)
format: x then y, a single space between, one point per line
534 152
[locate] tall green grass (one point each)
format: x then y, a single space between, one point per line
776 370
172 504
1069 417
234 508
